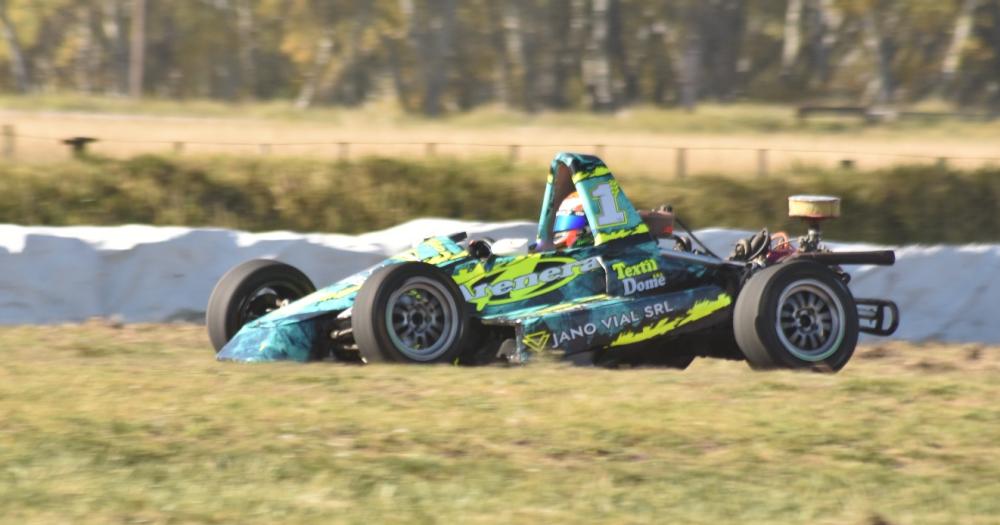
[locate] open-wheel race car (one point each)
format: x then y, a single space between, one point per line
602 284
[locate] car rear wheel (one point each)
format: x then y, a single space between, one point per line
410 313
796 315
249 291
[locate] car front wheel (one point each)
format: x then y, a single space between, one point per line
249 291
410 313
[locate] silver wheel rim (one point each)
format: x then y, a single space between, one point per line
810 320
421 319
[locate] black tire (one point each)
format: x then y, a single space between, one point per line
818 325
249 291
404 307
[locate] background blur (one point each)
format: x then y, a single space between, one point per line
347 116
339 115
440 56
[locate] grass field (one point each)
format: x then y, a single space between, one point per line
138 424
721 139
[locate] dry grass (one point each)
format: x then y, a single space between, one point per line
138 424
133 128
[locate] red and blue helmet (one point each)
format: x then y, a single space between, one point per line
571 221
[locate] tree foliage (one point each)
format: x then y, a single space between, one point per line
435 56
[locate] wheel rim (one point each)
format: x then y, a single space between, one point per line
421 319
266 299
810 320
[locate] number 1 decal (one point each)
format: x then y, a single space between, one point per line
609 215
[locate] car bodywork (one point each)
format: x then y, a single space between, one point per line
622 290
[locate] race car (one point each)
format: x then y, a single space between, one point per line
602 284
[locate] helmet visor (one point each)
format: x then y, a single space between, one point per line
569 222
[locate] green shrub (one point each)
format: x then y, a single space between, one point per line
907 204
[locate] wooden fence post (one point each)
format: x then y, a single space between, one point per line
9 142
762 163
343 150
513 151
680 170
78 145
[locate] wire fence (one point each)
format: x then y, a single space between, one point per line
760 157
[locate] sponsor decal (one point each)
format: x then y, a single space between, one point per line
606 236
640 277
633 285
573 334
634 270
598 171
432 251
612 323
521 279
536 340
698 310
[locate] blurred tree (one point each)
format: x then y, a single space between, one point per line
436 56
137 49
18 68
959 38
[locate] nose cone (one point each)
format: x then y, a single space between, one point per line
260 342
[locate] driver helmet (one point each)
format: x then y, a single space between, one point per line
571 222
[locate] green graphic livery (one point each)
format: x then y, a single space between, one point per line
618 289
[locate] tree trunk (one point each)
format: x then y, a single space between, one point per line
953 57
321 61
247 50
683 56
531 55
881 51
347 82
724 25
828 21
690 70
623 67
84 67
994 39
597 66
793 36
137 49
436 70
561 40
513 56
661 46
500 76
18 66
399 45
110 26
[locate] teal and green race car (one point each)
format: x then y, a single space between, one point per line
601 284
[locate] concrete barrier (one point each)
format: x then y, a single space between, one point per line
164 274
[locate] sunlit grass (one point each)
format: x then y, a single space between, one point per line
139 424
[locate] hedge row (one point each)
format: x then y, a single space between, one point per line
908 204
